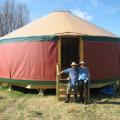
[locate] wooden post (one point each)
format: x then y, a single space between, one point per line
9 87
118 88
114 89
1 85
57 82
88 91
81 49
58 68
59 53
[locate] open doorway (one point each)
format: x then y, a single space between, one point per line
69 52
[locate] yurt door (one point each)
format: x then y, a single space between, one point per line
69 51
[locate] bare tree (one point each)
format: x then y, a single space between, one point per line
12 16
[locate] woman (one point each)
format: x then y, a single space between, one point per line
83 82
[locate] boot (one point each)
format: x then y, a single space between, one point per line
67 98
75 98
86 100
81 100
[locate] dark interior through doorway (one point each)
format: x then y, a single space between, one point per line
69 52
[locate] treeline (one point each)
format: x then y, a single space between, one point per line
12 16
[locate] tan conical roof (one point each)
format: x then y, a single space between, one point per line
59 23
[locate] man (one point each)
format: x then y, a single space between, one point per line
83 82
73 81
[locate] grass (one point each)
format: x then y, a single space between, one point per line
16 105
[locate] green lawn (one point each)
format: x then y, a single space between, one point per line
16 105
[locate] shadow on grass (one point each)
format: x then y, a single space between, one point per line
100 98
36 113
109 102
24 90
105 99
34 91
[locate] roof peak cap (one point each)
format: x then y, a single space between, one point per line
68 11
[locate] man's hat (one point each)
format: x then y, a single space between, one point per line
73 64
82 62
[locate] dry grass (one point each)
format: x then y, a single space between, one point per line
18 106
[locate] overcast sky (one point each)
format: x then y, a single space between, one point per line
103 13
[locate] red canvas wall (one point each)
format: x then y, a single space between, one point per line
28 60
103 59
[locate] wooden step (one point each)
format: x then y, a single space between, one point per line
63 97
63 92
63 87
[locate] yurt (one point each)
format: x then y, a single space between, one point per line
29 55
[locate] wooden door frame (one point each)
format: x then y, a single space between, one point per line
80 50
59 53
